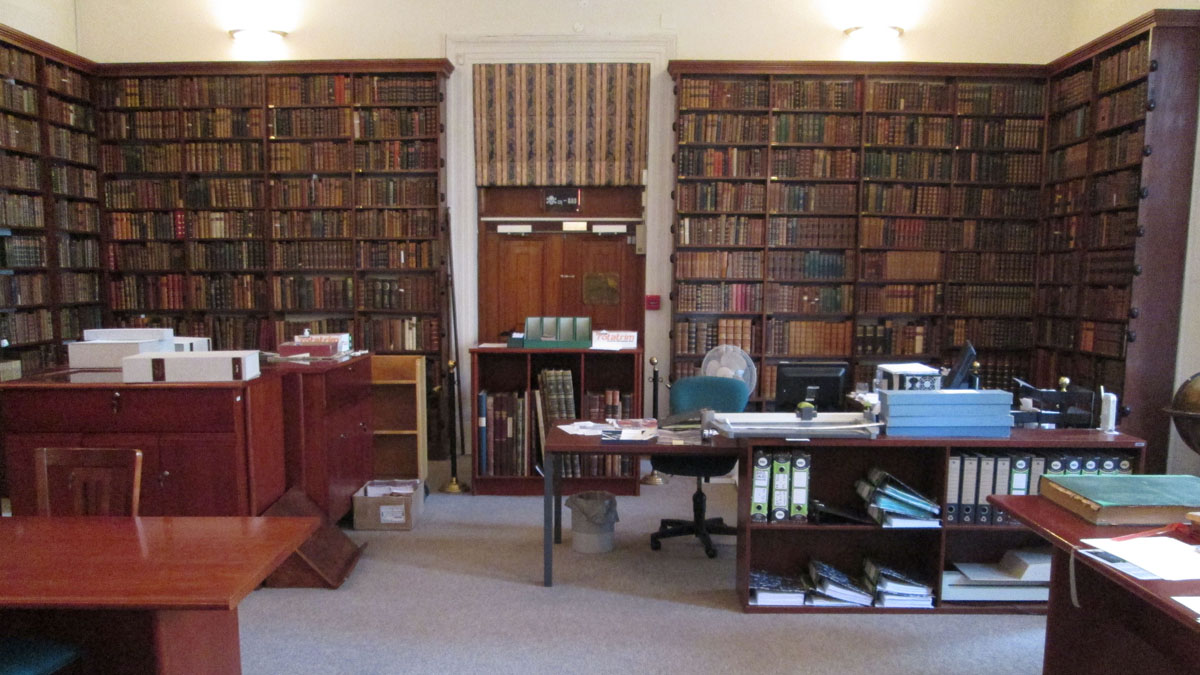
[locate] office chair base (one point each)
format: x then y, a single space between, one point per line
699 526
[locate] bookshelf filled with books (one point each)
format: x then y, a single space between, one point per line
904 504
891 212
251 202
844 211
1117 199
518 393
49 208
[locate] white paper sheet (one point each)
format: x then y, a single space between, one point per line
1192 602
1165 557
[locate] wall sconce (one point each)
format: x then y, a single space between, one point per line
876 32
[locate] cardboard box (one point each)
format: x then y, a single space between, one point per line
193 344
128 334
216 366
389 512
109 353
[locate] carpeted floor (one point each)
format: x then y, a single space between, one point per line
462 593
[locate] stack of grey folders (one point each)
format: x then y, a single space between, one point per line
980 413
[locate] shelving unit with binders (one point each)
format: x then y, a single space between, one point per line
856 212
782 547
590 384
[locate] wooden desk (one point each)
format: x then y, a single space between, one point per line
140 595
558 443
1121 625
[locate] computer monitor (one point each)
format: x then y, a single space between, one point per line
793 379
959 376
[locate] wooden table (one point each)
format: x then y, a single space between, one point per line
140 595
559 442
1121 624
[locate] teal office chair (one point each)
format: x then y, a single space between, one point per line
720 394
32 656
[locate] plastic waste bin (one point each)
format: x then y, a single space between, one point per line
592 516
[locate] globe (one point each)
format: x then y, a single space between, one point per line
1185 411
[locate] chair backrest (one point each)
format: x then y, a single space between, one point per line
720 394
97 481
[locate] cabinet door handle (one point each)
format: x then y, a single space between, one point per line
162 478
116 402
566 276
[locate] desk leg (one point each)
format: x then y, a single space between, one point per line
558 487
548 520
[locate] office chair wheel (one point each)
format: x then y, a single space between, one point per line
655 545
712 552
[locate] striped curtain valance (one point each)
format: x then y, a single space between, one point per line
561 123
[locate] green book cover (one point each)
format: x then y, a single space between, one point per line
1125 499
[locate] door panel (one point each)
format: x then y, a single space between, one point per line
609 264
520 284
203 475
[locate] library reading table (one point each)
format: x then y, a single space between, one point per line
140 595
1118 624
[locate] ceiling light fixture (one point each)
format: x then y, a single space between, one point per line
256 34
876 31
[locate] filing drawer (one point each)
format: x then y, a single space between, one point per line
158 409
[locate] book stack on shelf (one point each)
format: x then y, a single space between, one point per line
768 589
896 589
891 503
1022 575
832 587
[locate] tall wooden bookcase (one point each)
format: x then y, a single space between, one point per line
890 212
242 201
50 286
1121 144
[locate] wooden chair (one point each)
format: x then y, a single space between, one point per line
99 481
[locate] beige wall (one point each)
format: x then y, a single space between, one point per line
49 20
1019 31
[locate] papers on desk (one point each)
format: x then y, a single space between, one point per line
1165 557
1119 564
788 425
585 428
627 431
1192 602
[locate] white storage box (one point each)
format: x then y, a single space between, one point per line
387 509
193 344
128 334
108 353
217 366
907 376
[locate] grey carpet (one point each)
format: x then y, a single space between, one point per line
462 593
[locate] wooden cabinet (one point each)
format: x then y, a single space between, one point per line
211 449
530 264
398 405
327 429
504 386
785 547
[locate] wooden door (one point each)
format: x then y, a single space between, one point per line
539 269
204 475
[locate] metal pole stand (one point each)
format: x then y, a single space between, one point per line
654 477
454 487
